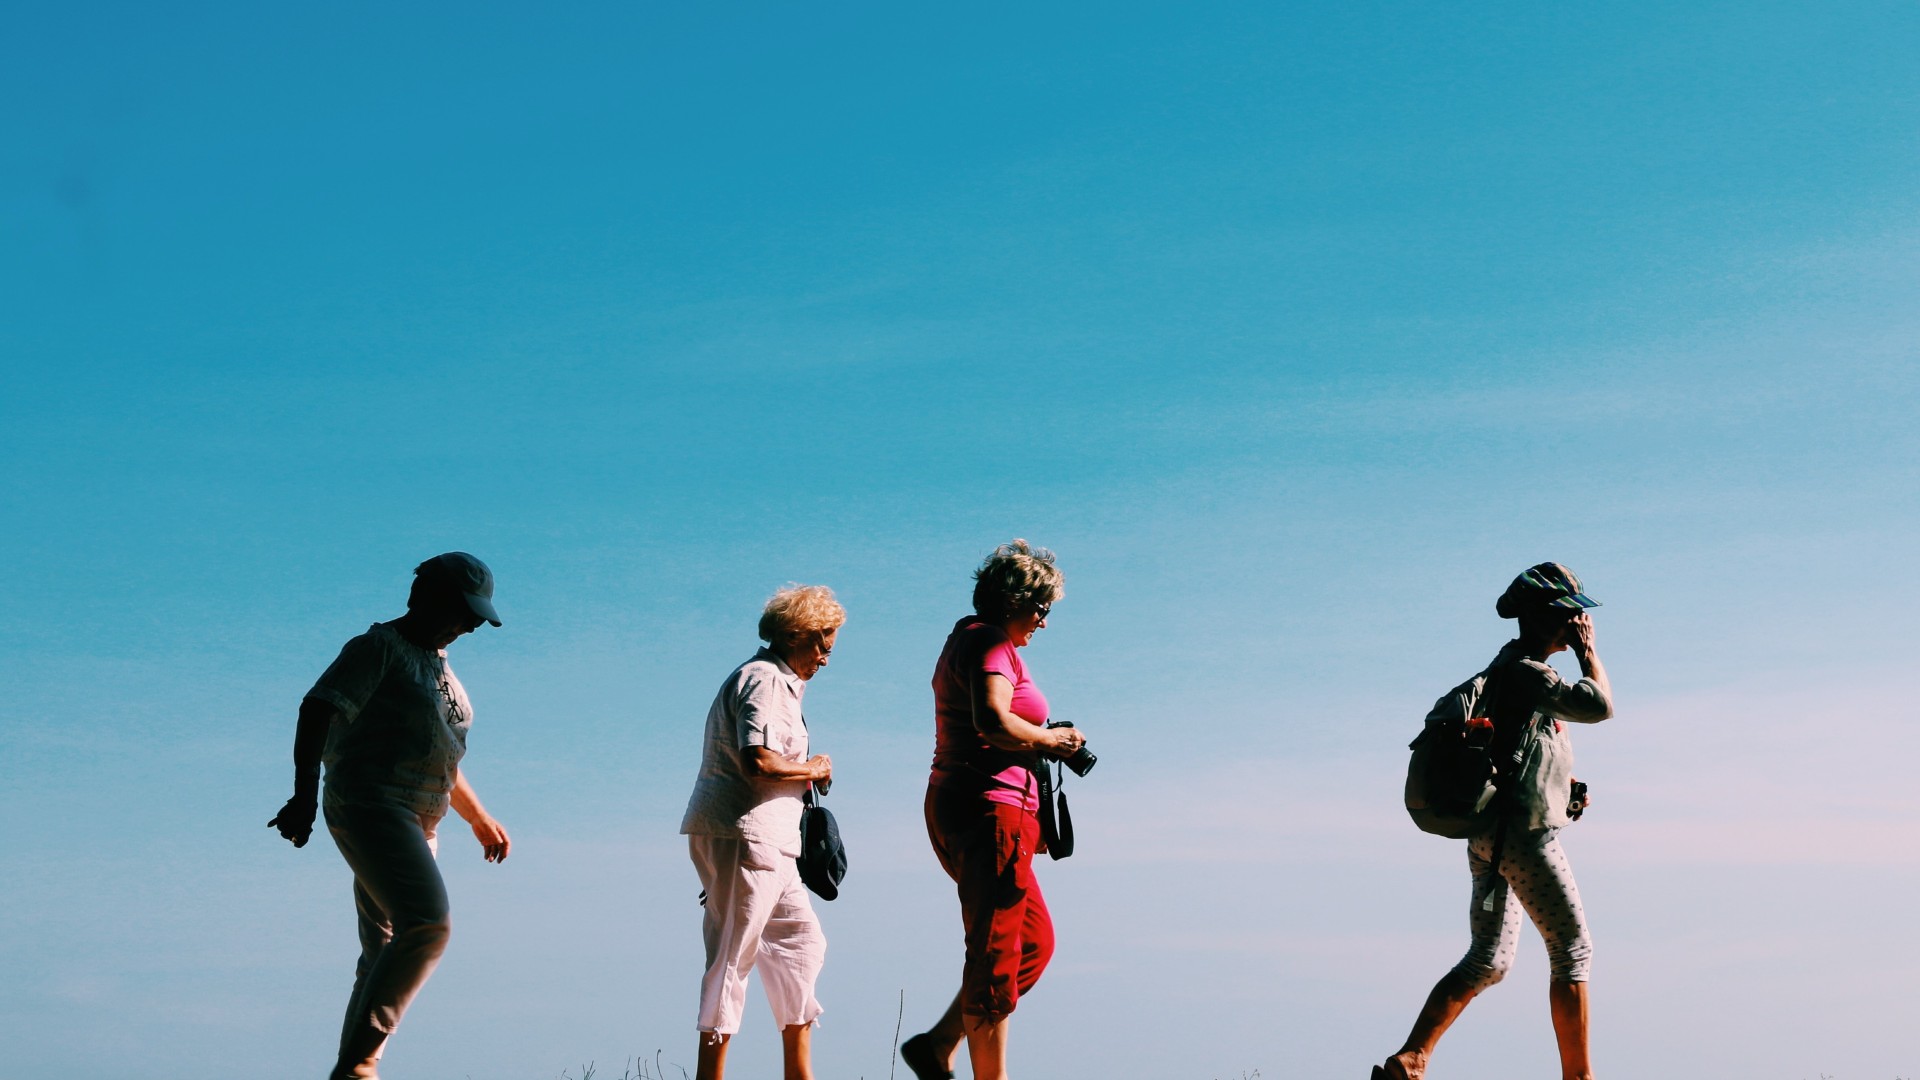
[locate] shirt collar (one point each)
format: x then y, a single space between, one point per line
766 653
437 654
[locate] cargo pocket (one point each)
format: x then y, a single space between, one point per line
1009 844
759 855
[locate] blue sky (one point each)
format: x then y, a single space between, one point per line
1296 332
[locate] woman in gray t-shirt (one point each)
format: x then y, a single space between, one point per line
1514 850
389 720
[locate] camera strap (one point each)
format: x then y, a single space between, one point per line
1056 823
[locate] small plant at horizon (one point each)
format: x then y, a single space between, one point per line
636 1069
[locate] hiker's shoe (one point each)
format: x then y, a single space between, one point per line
918 1055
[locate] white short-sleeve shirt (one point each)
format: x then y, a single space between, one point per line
399 726
758 705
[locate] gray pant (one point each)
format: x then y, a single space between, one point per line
404 920
1533 875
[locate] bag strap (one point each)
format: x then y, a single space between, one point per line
1499 850
1504 779
1490 683
813 796
1062 845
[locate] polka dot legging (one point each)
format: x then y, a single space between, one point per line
1533 875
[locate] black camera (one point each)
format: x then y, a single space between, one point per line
1081 761
1576 800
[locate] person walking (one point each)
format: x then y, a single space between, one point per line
1514 852
389 720
743 830
982 804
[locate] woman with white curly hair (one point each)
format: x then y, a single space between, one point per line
982 807
743 829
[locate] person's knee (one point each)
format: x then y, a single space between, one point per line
990 994
1486 977
426 935
1477 973
1034 959
801 950
1572 960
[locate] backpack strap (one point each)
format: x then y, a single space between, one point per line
1503 804
1504 779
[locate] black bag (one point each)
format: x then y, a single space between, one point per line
823 858
1450 777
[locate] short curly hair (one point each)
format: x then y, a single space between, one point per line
799 610
1016 578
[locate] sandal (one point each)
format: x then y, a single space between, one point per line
1380 1071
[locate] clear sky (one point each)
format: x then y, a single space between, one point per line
1297 332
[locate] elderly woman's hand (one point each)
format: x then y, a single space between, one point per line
763 764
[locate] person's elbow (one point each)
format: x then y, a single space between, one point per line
996 731
1591 707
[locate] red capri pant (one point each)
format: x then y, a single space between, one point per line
987 849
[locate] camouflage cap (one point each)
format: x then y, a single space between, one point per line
1546 585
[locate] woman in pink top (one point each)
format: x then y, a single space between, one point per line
982 803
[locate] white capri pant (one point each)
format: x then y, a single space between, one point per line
757 913
1534 876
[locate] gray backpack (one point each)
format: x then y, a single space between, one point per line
1450 778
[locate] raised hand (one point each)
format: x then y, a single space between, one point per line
1581 628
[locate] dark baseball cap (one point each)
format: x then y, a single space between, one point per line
461 573
1546 585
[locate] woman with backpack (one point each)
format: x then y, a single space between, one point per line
1512 847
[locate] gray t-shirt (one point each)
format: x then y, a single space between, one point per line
758 705
400 724
1532 700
